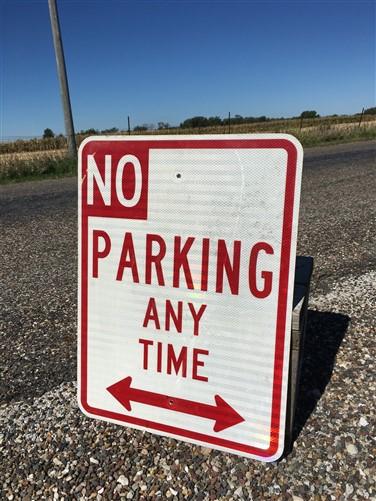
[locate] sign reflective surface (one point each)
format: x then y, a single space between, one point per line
186 267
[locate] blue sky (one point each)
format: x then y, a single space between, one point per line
170 60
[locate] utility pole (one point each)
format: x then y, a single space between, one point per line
62 73
129 126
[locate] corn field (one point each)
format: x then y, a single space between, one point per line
322 125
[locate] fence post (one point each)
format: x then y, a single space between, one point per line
361 117
301 122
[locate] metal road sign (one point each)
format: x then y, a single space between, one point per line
186 267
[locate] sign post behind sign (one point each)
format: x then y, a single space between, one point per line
303 272
187 252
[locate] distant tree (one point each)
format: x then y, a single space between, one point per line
236 119
194 122
214 121
140 128
249 120
113 130
48 133
309 114
199 121
88 132
163 125
370 111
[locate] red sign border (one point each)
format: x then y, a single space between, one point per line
288 214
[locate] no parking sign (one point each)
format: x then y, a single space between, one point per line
186 268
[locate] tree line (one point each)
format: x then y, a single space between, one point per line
197 122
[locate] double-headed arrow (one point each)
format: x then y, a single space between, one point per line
222 413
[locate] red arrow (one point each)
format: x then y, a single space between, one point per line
222 413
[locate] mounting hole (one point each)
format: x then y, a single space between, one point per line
171 402
178 175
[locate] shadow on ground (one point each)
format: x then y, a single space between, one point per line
324 335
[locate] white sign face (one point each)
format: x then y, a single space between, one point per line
186 268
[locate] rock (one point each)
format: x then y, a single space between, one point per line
349 489
239 491
351 449
123 480
185 491
363 422
205 451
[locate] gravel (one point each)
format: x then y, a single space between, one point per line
50 450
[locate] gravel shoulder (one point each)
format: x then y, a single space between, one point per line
49 450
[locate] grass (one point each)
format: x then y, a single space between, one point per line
54 163
334 135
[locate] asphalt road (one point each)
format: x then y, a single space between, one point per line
334 453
